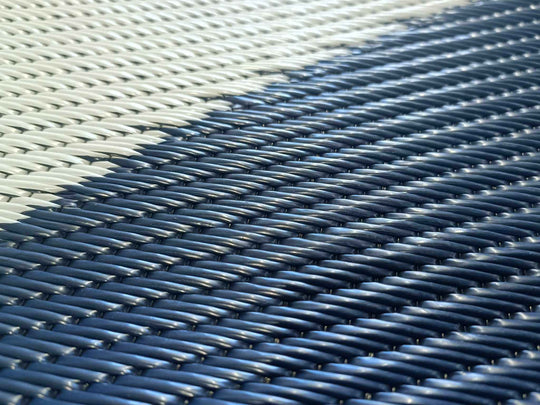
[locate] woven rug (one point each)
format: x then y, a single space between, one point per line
278 202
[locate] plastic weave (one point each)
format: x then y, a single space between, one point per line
365 233
79 79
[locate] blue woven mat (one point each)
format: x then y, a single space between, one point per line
366 233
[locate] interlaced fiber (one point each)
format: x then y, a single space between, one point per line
79 79
364 234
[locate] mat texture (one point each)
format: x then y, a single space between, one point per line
365 233
79 79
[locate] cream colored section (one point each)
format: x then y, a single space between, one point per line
77 76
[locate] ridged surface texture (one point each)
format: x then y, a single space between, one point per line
80 80
365 233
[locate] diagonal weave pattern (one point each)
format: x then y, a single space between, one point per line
79 79
366 234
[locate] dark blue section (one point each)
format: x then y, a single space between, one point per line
367 233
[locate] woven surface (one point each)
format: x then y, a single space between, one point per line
364 234
80 79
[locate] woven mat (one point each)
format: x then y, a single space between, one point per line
80 80
359 231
